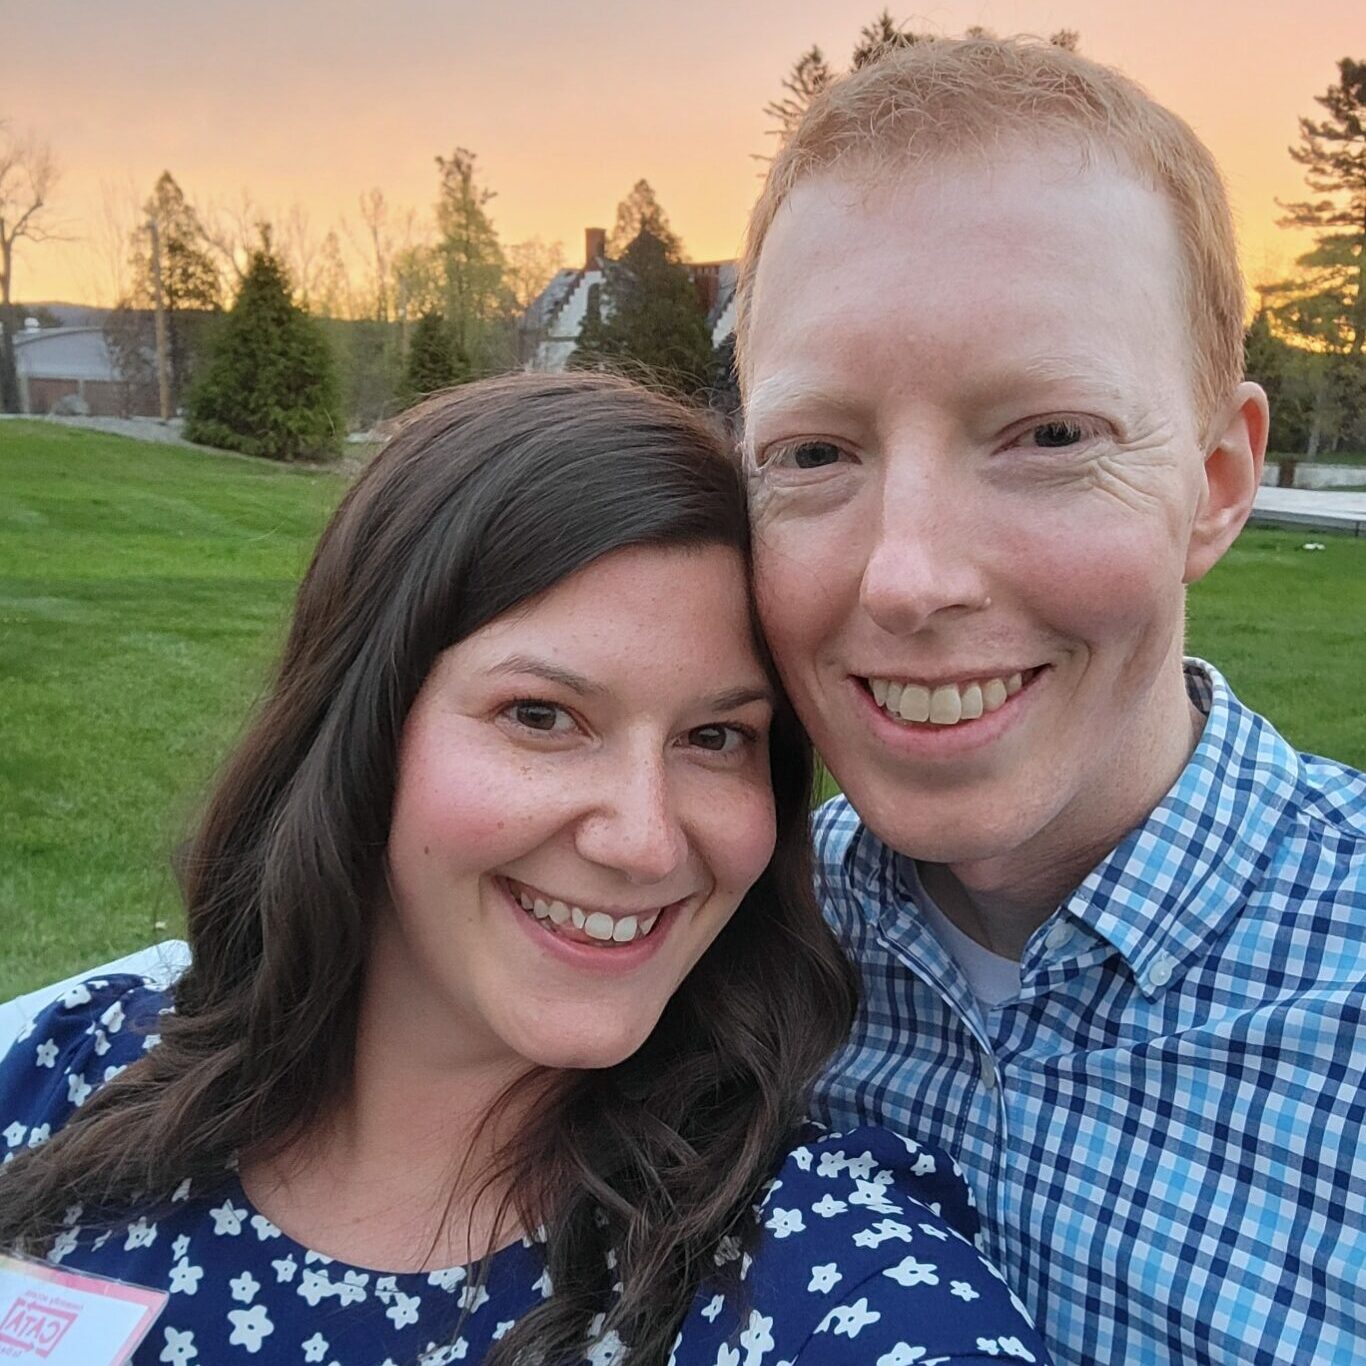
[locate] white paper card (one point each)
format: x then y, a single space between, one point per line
70 1318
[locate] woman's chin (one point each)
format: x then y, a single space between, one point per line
587 1048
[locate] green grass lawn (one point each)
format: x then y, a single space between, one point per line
143 590
142 593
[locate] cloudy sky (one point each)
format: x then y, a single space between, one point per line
309 103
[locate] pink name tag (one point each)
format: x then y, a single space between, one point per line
70 1318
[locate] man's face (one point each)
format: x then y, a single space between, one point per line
979 467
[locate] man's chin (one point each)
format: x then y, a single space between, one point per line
955 832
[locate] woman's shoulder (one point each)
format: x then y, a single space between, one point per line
866 1254
84 1037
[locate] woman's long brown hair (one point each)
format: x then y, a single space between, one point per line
490 495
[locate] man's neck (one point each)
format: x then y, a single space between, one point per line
1000 902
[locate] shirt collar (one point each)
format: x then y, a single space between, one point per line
1169 887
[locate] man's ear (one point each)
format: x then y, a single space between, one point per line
1233 470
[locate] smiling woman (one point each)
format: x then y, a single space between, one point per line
508 981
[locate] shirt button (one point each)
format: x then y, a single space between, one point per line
988 1070
1161 971
1058 937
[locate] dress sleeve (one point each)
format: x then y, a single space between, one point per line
880 1264
68 1051
905 1315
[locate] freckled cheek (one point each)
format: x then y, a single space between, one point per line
737 838
467 813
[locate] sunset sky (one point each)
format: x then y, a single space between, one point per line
567 104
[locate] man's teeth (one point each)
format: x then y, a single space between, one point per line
595 924
947 704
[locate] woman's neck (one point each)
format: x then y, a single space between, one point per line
396 1175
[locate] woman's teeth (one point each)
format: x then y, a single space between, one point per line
595 924
947 704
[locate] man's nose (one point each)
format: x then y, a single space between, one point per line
634 828
927 555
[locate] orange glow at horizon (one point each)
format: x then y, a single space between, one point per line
566 105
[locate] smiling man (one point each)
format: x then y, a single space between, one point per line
1111 927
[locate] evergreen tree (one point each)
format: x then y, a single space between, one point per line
810 75
476 298
270 385
651 323
641 212
435 360
1332 288
191 287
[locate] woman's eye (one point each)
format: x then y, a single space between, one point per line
545 717
807 455
719 739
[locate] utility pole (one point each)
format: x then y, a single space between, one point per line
163 379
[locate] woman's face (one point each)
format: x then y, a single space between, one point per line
583 799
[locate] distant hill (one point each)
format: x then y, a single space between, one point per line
66 315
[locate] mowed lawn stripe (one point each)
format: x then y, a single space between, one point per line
143 593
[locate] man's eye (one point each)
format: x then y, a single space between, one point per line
807 455
1058 433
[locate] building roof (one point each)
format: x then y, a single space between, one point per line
64 353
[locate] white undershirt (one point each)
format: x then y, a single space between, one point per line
992 978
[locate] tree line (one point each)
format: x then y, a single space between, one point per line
440 306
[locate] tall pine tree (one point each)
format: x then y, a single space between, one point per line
1333 153
270 386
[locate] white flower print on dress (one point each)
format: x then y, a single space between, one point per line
404 1309
250 1327
714 1306
757 1339
873 1196
227 1219
785 1222
964 1291
505 1326
824 1278
315 1349
46 1055
831 1164
909 1272
102 1044
446 1279
15 1134
63 1245
181 1192
78 1089
39 1135
473 1298
861 1168
285 1269
244 1287
179 1349
140 1234
607 1351
1008 1346
881 1232
78 995
181 1246
112 1019
849 1320
263 1228
827 1206
934 1231
185 1278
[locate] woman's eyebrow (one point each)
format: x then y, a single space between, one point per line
552 673
737 697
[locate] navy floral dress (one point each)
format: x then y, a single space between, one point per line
865 1256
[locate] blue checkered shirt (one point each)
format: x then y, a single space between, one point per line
1166 1129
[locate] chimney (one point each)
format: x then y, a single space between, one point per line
594 247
